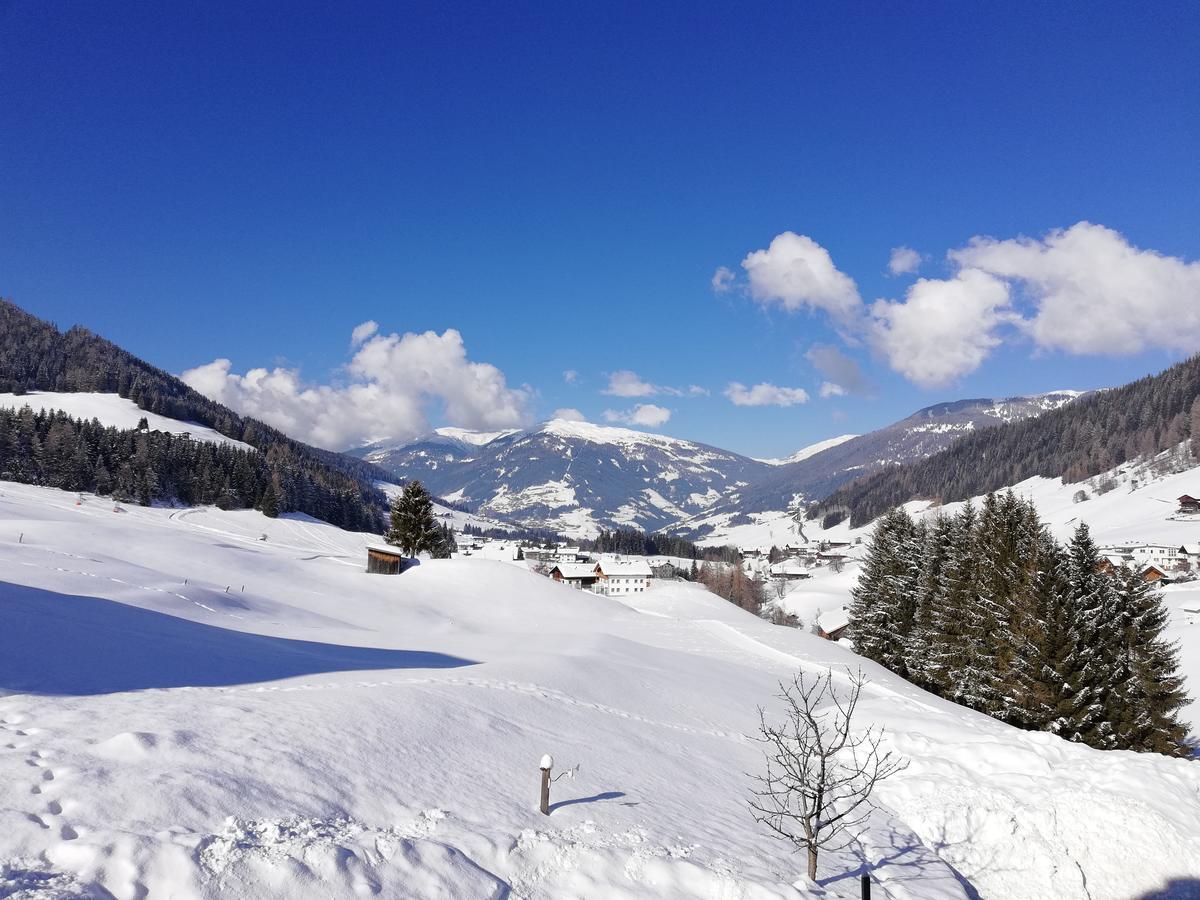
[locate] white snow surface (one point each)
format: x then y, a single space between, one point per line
810 450
115 411
478 438
189 711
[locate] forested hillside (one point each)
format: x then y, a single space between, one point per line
1076 441
35 355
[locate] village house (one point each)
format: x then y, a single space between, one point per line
1161 555
1137 556
1189 504
1155 574
789 569
582 576
623 577
662 570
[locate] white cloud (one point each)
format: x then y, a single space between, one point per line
394 379
765 394
570 376
723 279
624 383
830 389
904 261
570 414
840 370
361 332
795 271
1094 292
645 414
943 329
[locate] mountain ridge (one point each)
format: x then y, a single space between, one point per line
579 477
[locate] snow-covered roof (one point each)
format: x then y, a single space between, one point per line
833 620
386 548
788 567
627 568
576 570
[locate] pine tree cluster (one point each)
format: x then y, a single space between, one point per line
1085 438
34 355
140 466
985 608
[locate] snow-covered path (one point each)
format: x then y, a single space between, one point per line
315 731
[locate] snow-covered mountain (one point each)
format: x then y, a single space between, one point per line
577 477
573 477
924 433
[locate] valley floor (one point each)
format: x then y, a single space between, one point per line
188 710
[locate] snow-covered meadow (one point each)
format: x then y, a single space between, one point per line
192 711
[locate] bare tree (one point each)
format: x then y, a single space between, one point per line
779 588
816 792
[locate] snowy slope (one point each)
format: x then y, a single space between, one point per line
195 712
810 450
115 411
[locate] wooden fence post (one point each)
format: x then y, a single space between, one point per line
546 765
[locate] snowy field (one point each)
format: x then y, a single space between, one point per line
114 411
191 711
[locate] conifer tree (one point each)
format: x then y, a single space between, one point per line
269 504
1091 620
949 651
1149 699
413 528
879 599
920 659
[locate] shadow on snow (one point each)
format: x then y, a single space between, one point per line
53 643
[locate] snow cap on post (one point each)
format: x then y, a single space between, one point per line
547 762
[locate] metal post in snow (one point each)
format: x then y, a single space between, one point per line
865 883
546 765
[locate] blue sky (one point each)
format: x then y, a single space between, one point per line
560 182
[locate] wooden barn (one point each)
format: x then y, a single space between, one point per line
1189 504
833 625
385 561
1153 573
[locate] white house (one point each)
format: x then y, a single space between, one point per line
620 577
1161 555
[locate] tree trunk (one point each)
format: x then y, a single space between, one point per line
812 863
